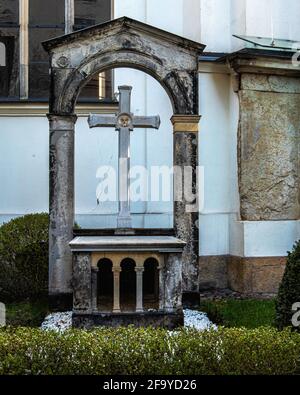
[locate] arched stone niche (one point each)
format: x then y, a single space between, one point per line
74 60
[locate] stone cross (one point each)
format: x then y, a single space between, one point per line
124 122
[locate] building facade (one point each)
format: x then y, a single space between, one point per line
248 139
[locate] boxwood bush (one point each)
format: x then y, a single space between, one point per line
24 257
130 351
289 291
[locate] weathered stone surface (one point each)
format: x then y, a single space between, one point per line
82 275
270 83
61 203
172 274
185 219
169 321
170 59
269 154
213 272
255 275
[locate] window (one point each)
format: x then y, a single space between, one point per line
91 12
46 20
88 13
9 42
24 24
2 54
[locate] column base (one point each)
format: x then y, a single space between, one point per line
60 302
154 319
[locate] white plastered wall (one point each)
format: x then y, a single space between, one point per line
24 141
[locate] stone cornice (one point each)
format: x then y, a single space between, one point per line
41 109
262 62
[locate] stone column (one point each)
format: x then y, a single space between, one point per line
116 305
161 279
186 213
139 289
95 272
61 208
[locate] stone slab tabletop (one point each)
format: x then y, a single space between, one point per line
127 243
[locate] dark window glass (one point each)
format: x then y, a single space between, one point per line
45 13
9 37
39 81
9 12
46 20
89 13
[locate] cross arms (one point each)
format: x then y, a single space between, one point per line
124 120
146 122
102 121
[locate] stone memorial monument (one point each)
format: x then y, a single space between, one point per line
128 276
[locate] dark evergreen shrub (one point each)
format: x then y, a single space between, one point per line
24 258
289 291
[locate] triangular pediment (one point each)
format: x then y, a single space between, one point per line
119 25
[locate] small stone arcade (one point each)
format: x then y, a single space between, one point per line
139 280
125 276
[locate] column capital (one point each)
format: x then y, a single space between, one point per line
116 269
139 269
62 122
185 123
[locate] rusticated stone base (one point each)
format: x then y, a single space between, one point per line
213 272
256 275
154 319
252 276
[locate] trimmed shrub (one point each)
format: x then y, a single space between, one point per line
24 257
289 291
129 351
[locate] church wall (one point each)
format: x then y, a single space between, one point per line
23 166
24 144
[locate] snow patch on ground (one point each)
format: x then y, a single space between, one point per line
197 320
58 322
61 322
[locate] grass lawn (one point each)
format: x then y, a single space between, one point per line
26 313
249 314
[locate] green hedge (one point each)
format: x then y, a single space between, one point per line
289 291
263 351
24 257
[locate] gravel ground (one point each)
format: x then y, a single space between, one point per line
197 320
60 322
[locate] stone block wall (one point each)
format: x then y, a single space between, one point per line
248 276
269 147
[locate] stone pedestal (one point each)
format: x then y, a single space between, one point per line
89 252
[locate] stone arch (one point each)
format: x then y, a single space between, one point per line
181 102
170 59
74 59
